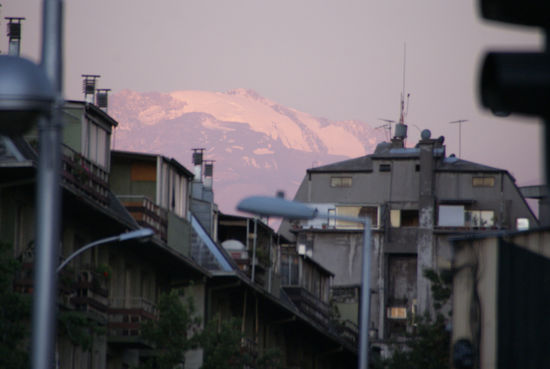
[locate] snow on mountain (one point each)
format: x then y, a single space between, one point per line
258 146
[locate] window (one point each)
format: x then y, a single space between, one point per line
397 312
95 143
457 216
404 218
483 181
522 224
340 182
357 211
451 216
479 218
384 168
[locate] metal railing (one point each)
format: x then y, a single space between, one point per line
85 175
147 213
127 314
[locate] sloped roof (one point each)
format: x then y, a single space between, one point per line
361 164
454 164
365 163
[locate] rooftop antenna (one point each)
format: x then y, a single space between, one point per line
386 126
459 122
88 86
401 127
14 34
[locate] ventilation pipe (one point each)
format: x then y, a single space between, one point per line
88 86
14 34
208 173
102 98
197 162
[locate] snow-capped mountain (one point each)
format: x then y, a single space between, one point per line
259 146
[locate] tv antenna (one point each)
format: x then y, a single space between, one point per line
401 128
386 126
459 122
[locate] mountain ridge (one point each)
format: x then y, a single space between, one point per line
258 145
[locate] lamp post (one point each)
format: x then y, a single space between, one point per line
279 207
137 234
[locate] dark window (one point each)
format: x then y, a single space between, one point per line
385 168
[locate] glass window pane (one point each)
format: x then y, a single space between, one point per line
451 216
395 218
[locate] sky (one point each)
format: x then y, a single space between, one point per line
337 59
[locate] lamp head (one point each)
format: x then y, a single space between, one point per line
25 94
276 207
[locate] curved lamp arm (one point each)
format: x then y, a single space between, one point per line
140 233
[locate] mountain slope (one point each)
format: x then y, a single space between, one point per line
258 146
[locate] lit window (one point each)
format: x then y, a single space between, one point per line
340 181
522 224
483 181
404 218
479 218
357 211
395 312
395 218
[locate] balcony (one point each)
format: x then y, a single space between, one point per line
310 305
91 295
126 316
147 214
85 175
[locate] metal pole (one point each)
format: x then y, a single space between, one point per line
365 299
254 248
48 198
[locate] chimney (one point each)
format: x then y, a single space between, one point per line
208 173
88 87
102 98
14 34
197 162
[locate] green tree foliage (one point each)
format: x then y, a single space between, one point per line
14 314
428 346
78 328
221 341
223 346
173 333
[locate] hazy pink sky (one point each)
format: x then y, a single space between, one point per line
334 59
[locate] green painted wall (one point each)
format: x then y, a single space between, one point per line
72 135
121 183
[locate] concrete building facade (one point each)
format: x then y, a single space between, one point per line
415 197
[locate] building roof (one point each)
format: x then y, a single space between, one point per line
385 151
153 157
94 110
454 164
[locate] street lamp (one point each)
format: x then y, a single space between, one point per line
279 207
137 234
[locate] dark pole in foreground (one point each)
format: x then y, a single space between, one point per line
48 197
365 299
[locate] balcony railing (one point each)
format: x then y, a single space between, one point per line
85 175
310 305
90 295
147 213
127 314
